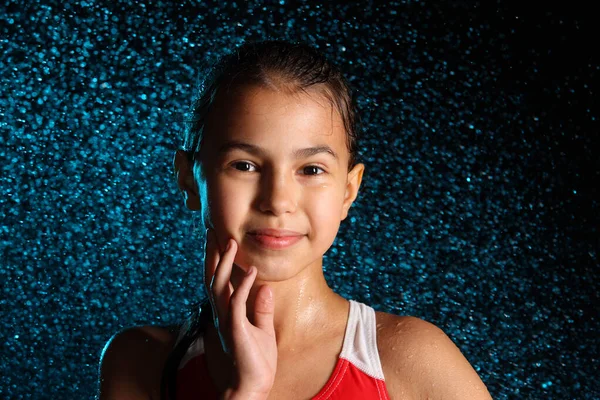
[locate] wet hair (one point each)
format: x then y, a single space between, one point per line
277 65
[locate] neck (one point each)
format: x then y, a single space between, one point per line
304 305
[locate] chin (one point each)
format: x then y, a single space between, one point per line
274 269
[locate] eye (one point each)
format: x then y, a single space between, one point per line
313 170
243 166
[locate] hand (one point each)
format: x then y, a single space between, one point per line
253 347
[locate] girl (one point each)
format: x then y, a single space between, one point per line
270 162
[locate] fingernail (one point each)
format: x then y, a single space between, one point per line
269 294
228 245
249 271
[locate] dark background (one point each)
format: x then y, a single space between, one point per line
478 211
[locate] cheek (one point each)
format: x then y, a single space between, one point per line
228 206
324 212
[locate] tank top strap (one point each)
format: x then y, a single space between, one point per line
360 340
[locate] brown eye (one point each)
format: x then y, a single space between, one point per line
313 170
243 166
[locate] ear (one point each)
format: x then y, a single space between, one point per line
352 186
185 180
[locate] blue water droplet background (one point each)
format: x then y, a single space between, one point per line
478 211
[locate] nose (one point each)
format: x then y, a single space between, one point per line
278 193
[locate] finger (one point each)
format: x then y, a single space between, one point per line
220 286
240 297
211 259
264 308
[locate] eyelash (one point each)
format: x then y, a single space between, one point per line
249 163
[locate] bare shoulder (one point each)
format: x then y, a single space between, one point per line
420 361
132 361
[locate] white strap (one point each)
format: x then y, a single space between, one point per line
360 340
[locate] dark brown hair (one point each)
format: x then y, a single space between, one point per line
272 64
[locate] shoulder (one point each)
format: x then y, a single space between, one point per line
420 361
132 361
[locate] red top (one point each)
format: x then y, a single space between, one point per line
357 374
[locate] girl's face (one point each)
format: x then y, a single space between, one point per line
273 160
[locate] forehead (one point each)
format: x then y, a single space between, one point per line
259 114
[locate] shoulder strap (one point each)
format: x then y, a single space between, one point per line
360 340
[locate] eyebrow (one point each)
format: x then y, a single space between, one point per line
258 151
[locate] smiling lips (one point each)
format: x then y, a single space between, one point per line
275 239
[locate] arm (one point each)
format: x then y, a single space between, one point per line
131 363
447 372
438 368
